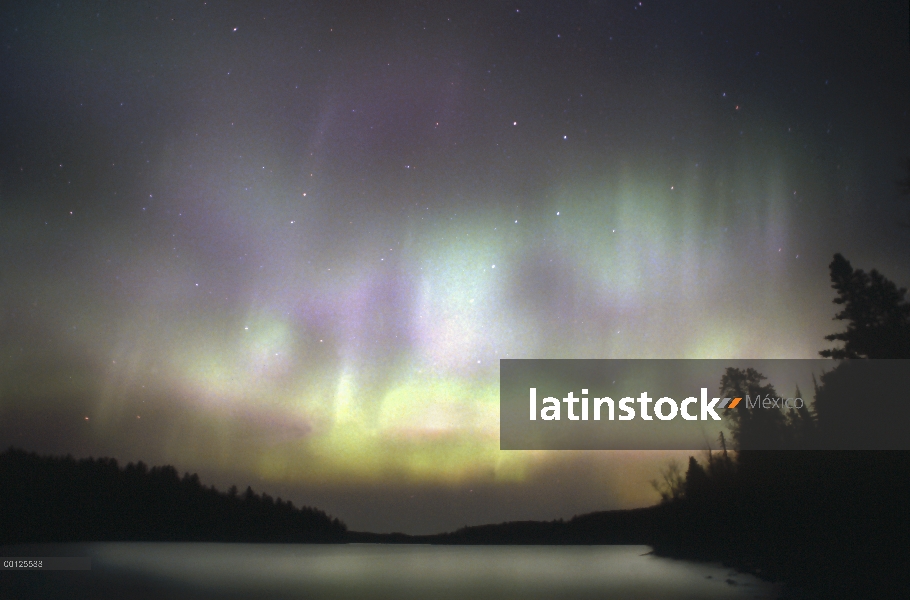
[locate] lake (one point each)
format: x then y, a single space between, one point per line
368 571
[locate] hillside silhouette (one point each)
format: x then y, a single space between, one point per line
833 523
60 499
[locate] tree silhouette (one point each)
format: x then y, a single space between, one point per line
825 522
877 314
672 484
753 427
861 405
696 483
801 421
50 499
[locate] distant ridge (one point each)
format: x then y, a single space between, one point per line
61 499
638 526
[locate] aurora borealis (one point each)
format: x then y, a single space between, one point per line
286 245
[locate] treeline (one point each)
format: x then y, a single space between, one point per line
834 523
60 499
636 526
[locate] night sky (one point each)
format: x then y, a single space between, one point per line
285 245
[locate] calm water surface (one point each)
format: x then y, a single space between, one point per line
163 570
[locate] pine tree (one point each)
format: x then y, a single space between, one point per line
877 314
752 427
696 480
801 421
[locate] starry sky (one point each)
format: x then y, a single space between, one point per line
285 245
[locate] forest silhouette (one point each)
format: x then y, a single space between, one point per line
833 522
60 499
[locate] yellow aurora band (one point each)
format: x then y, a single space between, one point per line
392 371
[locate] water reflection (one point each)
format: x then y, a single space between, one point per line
384 571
